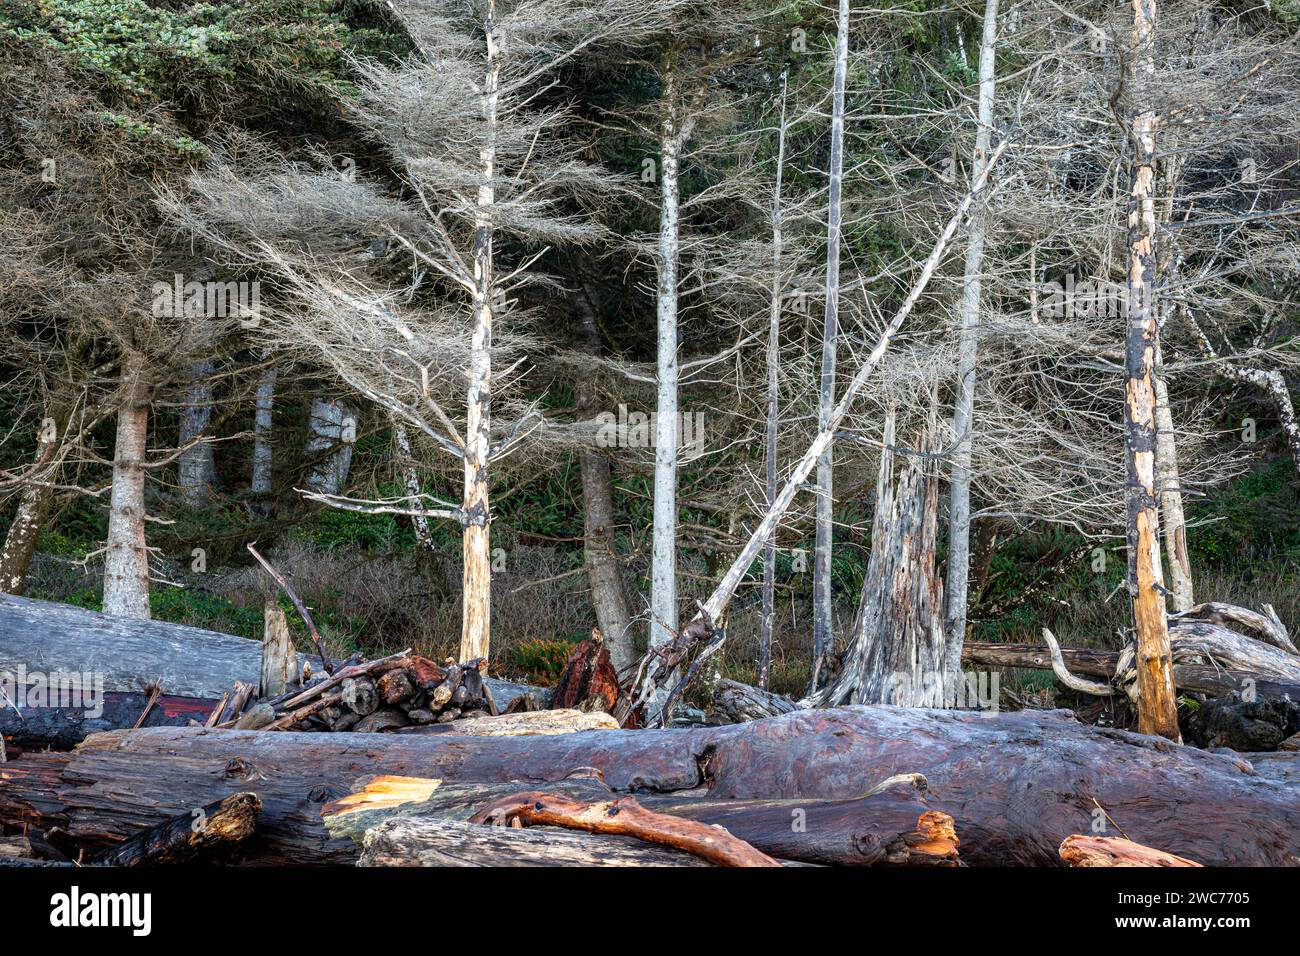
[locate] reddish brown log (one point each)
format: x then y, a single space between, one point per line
1016 784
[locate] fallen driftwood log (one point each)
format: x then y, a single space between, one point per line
421 841
128 656
891 825
187 835
1015 784
535 723
62 727
1115 851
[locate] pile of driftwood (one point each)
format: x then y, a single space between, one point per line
845 786
401 690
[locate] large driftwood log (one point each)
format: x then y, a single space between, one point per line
537 723
132 655
423 841
1199 678
64 727
894 826
1016 784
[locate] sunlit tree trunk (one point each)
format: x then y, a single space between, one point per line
1157 703
126 561
476 548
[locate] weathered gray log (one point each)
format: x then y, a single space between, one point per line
536 723
132 654
1016 784
1267 627
740 702
1199 678
422 841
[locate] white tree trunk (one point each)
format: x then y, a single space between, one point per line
773 412
261 485
964 403
196 467
411 479
476 547
663 569
333 428
1173 522
823 605
126 561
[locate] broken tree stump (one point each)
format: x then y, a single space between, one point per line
279 660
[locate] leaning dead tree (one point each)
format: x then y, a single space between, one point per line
659 665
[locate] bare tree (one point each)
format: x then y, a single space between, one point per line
823 607
959 508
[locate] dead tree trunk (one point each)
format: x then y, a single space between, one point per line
476 545
126 560
54 442
963 415
599 551
823 602
261 485
897 654
773 410
1157 703
663 546
196 467
333 430
1169 480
